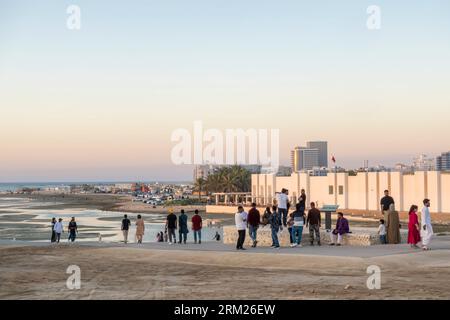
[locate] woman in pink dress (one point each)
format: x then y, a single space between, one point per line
413 227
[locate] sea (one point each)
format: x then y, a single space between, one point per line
33 185
5 187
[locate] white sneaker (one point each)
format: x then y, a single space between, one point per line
293 245
170 243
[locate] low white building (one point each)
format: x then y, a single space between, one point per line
362 191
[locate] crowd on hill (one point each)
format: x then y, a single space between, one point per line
278 218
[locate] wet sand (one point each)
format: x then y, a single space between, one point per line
130 273
104 202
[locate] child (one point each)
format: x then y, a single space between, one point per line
266 216
290 225
382 232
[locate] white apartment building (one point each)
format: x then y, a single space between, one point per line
362 191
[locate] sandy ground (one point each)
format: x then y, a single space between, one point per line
213 271
116 272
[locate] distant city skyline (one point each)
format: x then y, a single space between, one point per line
100 103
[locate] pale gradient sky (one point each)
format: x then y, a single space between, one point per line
101 103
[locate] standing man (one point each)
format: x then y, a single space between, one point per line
197 227
275 226
254 219
313 220
73 229
171 224
53 238
241 225
385 203
302 199
59 228
282 200
182 227
426 229
125 227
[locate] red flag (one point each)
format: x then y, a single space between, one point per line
333 159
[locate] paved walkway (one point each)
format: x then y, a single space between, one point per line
439 243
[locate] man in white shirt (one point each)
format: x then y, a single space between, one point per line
282 202
426 230
241 225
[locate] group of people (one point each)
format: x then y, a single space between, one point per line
140 228
172 224
181 223
58 229
389 229
295 223
278 217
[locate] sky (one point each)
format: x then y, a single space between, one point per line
101 103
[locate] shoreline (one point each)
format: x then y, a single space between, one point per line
124 204
103 202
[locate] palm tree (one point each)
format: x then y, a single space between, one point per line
199 186
214 183
242 178
229 179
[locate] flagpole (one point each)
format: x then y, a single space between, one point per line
335 182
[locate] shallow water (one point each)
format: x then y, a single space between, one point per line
31 223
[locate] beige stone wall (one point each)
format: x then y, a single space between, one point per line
357 191
264 237
445 195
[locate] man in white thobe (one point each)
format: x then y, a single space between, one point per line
426 230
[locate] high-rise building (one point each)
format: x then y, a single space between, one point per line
293 160
284 171
423 163
310 158
322 146
304 159
443 162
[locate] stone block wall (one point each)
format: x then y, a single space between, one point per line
358 237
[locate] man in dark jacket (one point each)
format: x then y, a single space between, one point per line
125 227
341 229
302 199
182 227
253 221
275 226
73 229
385 204
313 221
171 225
